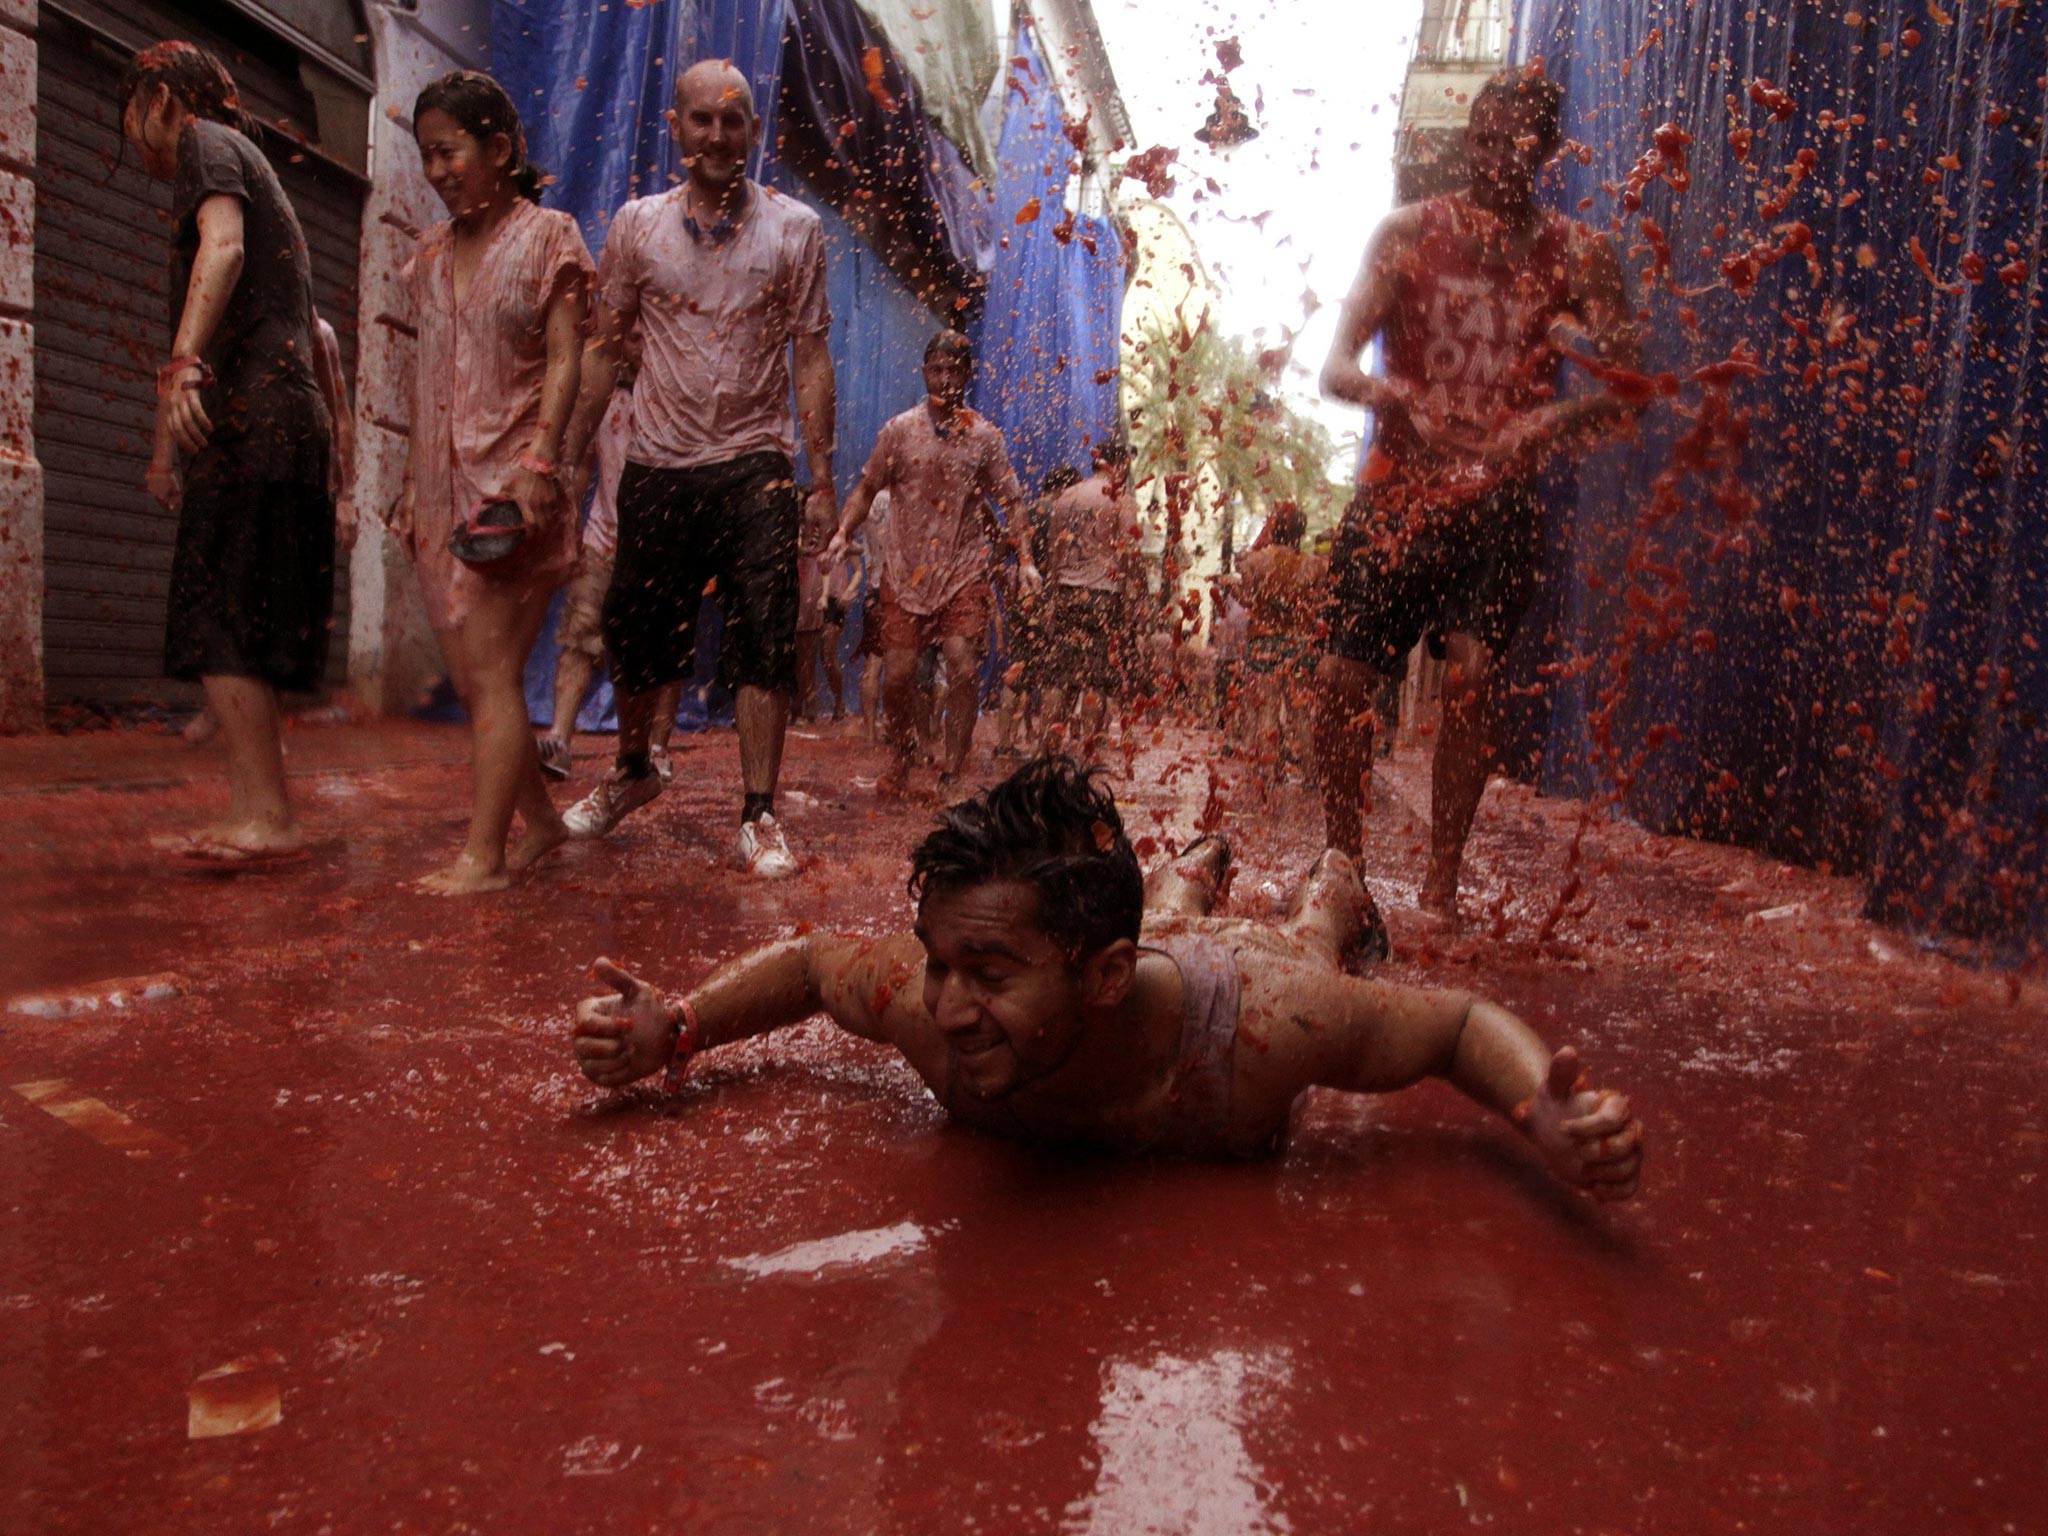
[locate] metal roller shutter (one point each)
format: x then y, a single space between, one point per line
101 316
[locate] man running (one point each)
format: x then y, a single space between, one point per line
943 466
1092 538
1473 295
724 280
1051 994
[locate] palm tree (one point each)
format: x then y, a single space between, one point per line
1213 452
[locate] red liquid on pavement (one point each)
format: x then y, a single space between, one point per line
493 1298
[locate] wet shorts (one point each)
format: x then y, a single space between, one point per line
1085 645
581 627
1393 584
680 529
835 613
1266 654
964 617
252 583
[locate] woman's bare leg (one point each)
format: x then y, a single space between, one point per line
492 645
259 817
835 679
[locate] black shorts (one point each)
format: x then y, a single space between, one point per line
680 529
1392 583
835 613
1086 642
252 583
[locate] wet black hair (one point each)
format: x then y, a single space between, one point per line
1053 825
197 80
1111 453
950 341
481 108
1287 526
1534 98
1058 478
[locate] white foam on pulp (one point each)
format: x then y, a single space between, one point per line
863 1247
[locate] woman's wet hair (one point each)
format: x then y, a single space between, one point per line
1534 99
1052 825
1058 479
480 108
197 81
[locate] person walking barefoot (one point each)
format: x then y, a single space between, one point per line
241 451
500 290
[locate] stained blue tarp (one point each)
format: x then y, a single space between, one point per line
1046 340
1849 671
867 144
592 82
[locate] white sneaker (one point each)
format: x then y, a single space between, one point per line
764 851
664 765
606 806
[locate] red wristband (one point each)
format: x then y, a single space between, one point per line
178 365
684 1031
530 460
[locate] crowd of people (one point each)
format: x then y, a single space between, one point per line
658 381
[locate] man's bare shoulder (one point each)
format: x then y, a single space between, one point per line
873 986
1403 227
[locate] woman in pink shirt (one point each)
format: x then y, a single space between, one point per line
499 294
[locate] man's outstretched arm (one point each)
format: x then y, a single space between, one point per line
1372 1037
869 987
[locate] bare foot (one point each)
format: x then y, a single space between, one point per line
536 843
1440 895
235 837
894 782
465 877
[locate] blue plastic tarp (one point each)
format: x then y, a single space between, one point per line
867 144
1047 337
1848 672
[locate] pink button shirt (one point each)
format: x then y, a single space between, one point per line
935 545
716 313
477 375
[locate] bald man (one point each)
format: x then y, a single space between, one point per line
723 280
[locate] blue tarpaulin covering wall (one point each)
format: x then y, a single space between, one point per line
1046 341
1851 670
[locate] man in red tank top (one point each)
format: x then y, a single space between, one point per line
1475 297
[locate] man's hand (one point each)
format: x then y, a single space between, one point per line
821 513
623 1036
179 415
1588 1136
1516 444
835 550
1029 580
162 481
346 522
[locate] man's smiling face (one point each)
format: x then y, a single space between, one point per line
1005 995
